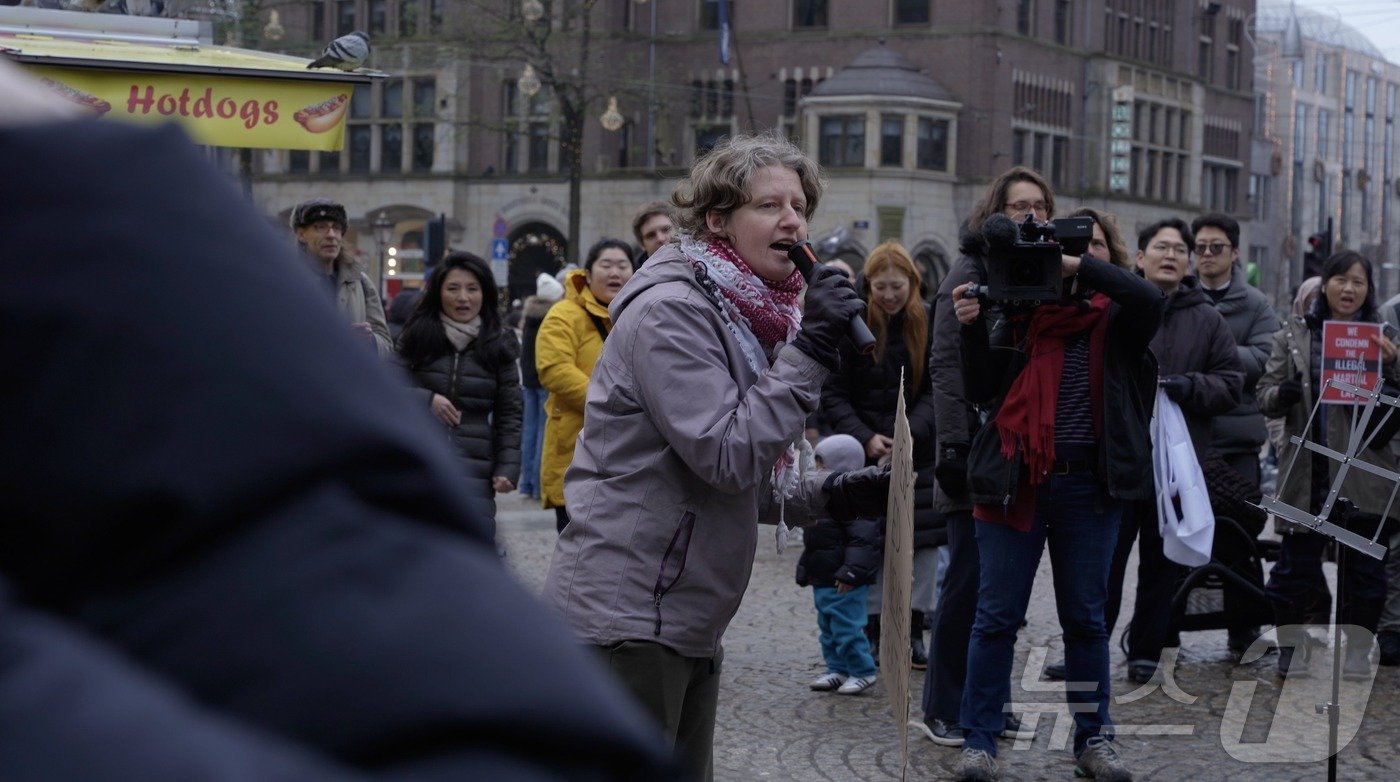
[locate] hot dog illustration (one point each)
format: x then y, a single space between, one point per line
88 101
324 115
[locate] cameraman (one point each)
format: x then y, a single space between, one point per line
1068 391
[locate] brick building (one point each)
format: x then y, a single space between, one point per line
911 106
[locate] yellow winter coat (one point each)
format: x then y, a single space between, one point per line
565 351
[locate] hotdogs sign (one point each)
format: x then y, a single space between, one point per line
216 110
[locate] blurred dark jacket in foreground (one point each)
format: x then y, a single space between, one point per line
235 551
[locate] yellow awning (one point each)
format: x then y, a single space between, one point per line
223 96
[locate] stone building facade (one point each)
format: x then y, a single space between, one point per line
911 106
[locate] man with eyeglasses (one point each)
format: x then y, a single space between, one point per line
1239 435
1199 369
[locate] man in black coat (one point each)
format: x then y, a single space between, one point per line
1199 369
235 551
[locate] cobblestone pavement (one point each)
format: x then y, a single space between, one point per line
771 727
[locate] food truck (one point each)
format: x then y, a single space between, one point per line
145 69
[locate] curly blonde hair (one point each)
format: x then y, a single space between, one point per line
720 181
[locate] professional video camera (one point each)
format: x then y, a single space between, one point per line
1023 264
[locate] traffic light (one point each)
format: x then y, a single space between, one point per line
1319 250
434 243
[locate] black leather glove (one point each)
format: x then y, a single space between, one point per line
1290 391
1178 387
857 493
951 470
826 315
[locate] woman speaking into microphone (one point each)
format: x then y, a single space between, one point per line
692 424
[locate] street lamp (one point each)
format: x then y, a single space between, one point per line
528 83
612 119
383 229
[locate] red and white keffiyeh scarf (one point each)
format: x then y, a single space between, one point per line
760 312
762 315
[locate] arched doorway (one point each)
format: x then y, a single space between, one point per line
933 267
534 248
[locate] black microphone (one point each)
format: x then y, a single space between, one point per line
1000 231
805 260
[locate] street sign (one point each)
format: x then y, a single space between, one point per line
500 260
498 228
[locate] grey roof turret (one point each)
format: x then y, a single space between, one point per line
884 73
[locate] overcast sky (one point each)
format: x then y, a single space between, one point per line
1378 20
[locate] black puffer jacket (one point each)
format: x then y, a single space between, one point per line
488 397
850 553
1194 341
860 401
1129 379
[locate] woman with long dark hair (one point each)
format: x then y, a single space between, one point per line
464 361
1287 390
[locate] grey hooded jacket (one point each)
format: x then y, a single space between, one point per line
673 469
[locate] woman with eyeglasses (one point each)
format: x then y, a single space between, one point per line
1065 444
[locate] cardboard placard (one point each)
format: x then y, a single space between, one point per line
898 578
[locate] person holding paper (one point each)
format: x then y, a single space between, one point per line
1199 369
1290 384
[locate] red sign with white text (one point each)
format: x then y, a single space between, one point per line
1351 353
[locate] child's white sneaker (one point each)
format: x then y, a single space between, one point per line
857 684
828 682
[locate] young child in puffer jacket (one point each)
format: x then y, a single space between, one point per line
839 562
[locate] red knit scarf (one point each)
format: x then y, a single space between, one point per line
1026 419
763 303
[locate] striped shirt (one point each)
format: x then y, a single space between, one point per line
1074 410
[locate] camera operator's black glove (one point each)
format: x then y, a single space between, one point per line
1290 391
857 493
826 315
1178 387
951 470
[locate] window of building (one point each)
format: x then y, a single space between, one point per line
709 13
707 136
1260 192
435 13
1234 41
809 13
1324 136
329 162
539 130
1320 73
1218 187
1300 132
795 88
842 140
1205 48
298 161
892 140
933 144
318 20
1025 17
344 17
378 17
1064 20
408 18
1295 69
911 12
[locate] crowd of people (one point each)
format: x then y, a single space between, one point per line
664 402
661 408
